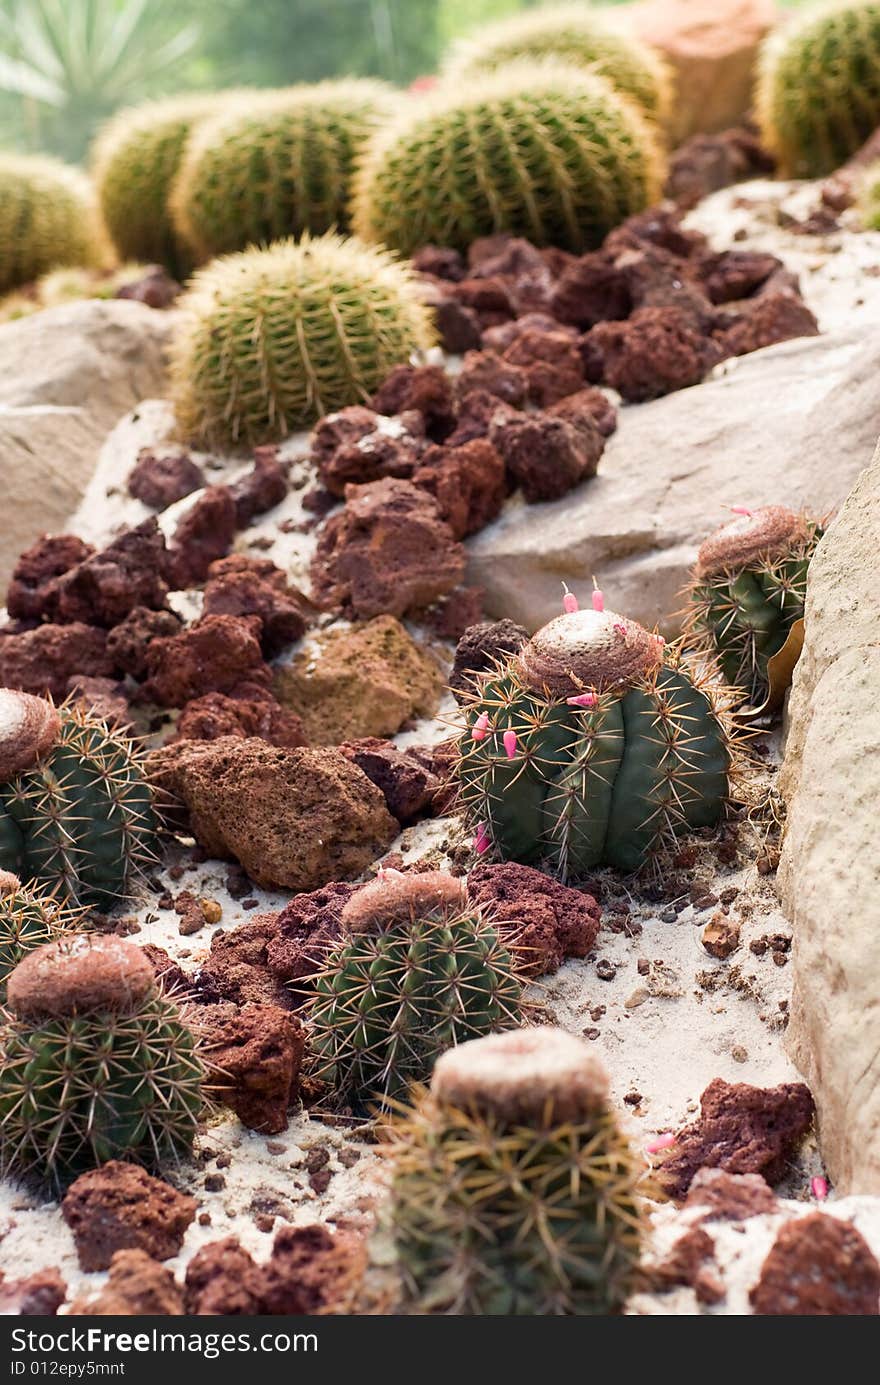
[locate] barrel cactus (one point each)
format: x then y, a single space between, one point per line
818 94
748 589
135 161
593 745
28 919
48 218
96 1064
571 34
275 166
541 150
514 1189
417 970
76 814
269 340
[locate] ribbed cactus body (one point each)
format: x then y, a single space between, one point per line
27 920
543 151
48 218
81 821
818 95
269 340
569 34
136 159
277 166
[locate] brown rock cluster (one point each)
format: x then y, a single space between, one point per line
121 1207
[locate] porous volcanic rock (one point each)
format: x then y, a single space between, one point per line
818 1266
136 1286
120 1206
159 479
480 648
409 785
44 660
257 1052
549 922
217 654
244 586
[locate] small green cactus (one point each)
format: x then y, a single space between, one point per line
135 160
278 165
591 746
96 1065
569 34
514 1189
818 95
269 340
48 217
28 920
748 589
540 150
417 970
76 813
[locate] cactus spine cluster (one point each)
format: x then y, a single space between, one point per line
818 95
417 970
279 165
135 161
540 150
591 746
514 1190
28 919
76 813
48 218
96 1065
569 34
748 589
269 340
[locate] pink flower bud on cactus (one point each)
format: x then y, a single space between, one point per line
741 510
661 1142
481 726
481 840
587 699
819 1188
509 739
620 629
569 602
598 600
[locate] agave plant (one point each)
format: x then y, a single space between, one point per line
65 66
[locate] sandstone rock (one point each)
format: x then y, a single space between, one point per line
294 819
712 50
818 1266
366 681
66 376
828 872
121 1207
762 432
257 1050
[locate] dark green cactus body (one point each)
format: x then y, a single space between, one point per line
28 920
76 1091
605 785
81 821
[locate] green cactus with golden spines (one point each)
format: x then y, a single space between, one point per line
269 340
28 919
818 95
540 150
514 1191
592 746
48 218
278 165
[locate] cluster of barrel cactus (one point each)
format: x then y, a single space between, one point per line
48 218
818 95
748 590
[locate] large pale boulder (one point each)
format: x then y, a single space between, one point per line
793 424
711 47
66 376
830 871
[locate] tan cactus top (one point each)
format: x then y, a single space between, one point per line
29 727
395 897
86 974
588 649
771 531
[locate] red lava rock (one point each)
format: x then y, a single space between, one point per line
31 592
304 931
588 409
818 1266
206 532
427 389
103 588
485 370
222 1280
102 697
136 1286
741 1129
476 411
502 336
707 163
660 226
545 455
250 710
659 279
690 1263
735 274
257 1050
45 659
312 1271
390 449
591 290
120 1206
293 819
453 614
340 429
767 319
489 299
556 922
467 482
171 977
155 288
261 488
216 654
480 648
161 479
440 261
551 362
39 1295
458 327
654 352
409 786
128 642
237 967
388 551
242 586
730 1196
